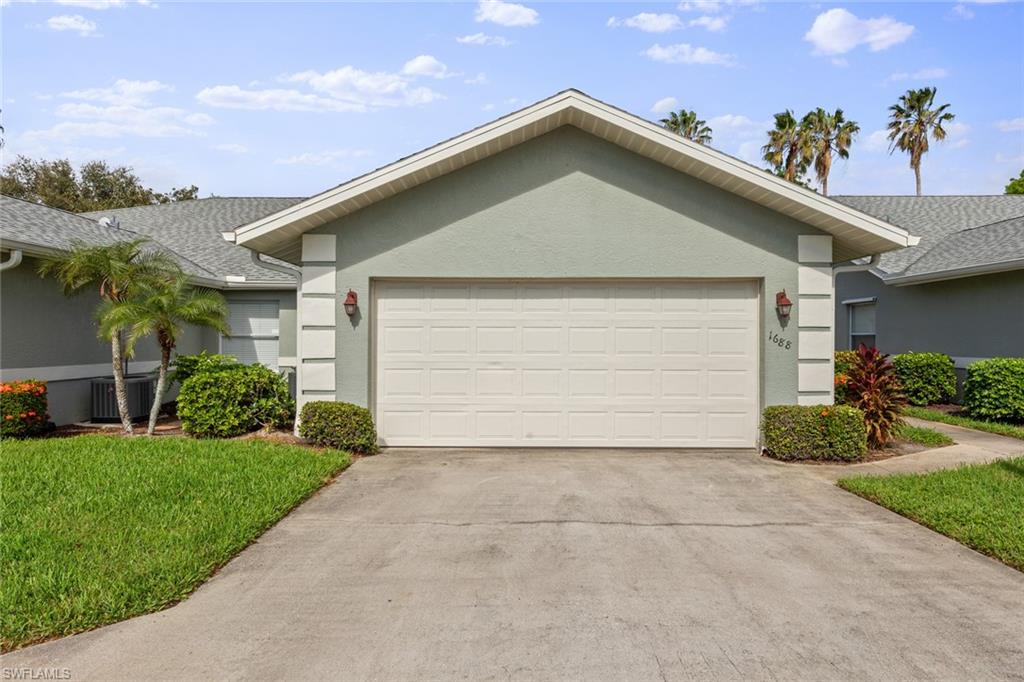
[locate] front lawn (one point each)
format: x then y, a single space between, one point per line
999 428
96 529
923 436
979 505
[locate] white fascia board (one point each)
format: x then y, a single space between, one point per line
956 273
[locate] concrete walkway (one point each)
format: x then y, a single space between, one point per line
970 447
575 564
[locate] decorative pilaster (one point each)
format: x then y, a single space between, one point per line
317 319
816 319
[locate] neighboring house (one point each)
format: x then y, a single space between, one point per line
46 335
960 291
570 274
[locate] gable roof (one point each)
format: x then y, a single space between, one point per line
857 234
193 229
40 230
960 235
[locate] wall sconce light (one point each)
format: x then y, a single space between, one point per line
783 305
351 303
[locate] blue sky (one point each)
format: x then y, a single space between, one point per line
288 99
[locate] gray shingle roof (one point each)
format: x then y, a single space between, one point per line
955 231
51 229
193 229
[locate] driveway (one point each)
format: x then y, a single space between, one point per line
597 565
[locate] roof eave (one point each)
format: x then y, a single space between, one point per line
955 273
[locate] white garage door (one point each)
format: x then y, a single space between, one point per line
536 363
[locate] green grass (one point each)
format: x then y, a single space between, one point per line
924 436
999 428
96 529
979 505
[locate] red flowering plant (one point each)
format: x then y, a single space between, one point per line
23 408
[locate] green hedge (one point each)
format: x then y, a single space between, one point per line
845 361
342 426
184 366
926 378
815 432
23 408
994 389
228 403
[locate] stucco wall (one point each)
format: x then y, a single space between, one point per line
564 205
972 317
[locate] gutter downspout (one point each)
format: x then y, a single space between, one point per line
273 266
13 261
856 267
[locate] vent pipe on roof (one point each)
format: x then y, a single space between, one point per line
110 221
13 261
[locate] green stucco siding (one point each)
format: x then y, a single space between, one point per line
565 205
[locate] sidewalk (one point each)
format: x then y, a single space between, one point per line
971 447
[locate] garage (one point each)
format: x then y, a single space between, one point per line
571 363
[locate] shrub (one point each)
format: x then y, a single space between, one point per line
926 378
844 362
339 425
187 365
994 389
23 408
231 402
816 432
874 389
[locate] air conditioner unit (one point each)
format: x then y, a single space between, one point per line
140 389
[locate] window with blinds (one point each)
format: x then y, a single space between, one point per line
254 332
862 325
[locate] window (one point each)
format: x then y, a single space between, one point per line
862 325
254 332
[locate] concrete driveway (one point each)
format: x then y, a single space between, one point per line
598 565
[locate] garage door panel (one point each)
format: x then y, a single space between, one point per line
669 364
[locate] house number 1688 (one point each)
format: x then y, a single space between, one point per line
779 341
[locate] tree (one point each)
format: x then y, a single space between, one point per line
828 134
118 271
95 187
161 308
1016 185
788 151
686 124
911 121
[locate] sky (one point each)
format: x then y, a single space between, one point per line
292 98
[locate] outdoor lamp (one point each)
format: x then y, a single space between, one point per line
351 303
782 304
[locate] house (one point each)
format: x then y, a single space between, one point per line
960 291
569 274
49 336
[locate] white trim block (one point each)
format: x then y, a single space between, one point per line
318 376
815 312
319 247
813 248
815 345
318 312
318 344
814 399
815 279
816 376
318 279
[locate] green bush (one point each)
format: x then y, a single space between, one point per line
926 378
343 426
845 360
994 389
231 402
187 365
815 432
23 408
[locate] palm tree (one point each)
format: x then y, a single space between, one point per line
788 150
686 124
118 271
911 120
162 308
827 134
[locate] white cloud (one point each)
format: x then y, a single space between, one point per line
738 124
838 31
683 53
921 74
479 79
72 22
426 65
956 134
483 39
323 158
649 22
123 91
506 13
713 6
92 4
231 148
487 107
347 89
92 121
1011 125
665 105
962 12
877 141
710 23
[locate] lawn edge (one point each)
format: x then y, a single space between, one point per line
938 417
